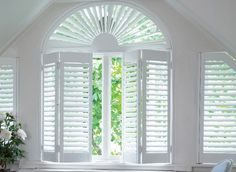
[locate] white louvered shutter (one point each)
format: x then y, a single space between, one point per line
218 107
50 107
131 108
156 110
76 92
8 85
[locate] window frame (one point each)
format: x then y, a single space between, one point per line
110 158
202 157
106 112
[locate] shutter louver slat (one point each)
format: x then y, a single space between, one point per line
219 111
157 77
66 123
76 107
49 107
7 87
156 106
217 107
76 130
131 110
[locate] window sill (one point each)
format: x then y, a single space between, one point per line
48 166
206 166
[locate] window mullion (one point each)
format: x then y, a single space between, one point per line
106 107
60 117
58 111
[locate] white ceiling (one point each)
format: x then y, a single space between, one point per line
216 17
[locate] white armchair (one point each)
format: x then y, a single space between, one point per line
223 166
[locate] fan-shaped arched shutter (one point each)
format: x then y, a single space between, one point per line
126 24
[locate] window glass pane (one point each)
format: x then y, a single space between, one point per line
97 106
116 108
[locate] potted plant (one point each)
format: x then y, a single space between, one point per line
12 137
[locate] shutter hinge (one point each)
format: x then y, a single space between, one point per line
140 150
140 63
139 104
171 64
58 65
171 148
57 148
42 67
140 69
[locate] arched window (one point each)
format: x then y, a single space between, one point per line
106 88
126 24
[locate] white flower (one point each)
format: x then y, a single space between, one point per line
21 133
2 116
5 134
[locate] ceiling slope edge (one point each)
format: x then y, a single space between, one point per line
203 26
24 27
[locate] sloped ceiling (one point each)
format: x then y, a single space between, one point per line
15 16
216 17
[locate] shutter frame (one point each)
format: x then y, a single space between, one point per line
52 58
212 157
131 58
155 56
82 58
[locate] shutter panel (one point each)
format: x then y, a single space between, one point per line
218 112
131 109
156 88
8 85
76 92
50 107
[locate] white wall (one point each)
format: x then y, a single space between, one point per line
187 42
24 12
217 17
